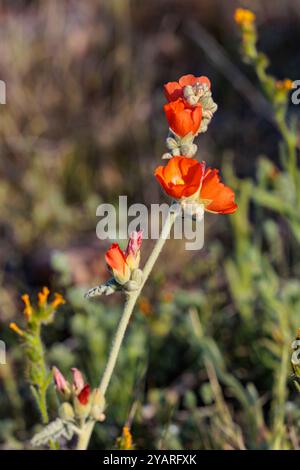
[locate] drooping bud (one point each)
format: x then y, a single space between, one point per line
132 253
62 385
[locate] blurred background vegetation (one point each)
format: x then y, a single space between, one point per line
205 364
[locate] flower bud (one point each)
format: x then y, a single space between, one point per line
82 403
98 405
131 286
132 253
62 385
116 260
137 276
66 411
78 381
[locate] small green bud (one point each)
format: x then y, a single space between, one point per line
98 405
81 411
66 411
131 286
137 276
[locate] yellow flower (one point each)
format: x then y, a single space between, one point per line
58 300
43 296
14 327
244 17
127 438
285 84
28 308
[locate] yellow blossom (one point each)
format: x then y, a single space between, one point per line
43 296
285 84
58 300
14 327
127 443
244 17
28 308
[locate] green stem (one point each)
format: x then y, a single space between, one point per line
290 141
279 430
280 380
87 430
42 404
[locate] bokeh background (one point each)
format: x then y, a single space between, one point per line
205 364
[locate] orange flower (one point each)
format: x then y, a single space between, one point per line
182 118
181 177
174 90
116 260
244 17
215 196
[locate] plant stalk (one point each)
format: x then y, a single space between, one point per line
84 437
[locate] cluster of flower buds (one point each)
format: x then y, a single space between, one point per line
42 313
188 181
80 403
245 19
189 111
36 316
124 266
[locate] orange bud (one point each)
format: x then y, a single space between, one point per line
58 300
43 296
14 327
116 260
244 17
28 308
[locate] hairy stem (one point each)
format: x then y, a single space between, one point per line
84 437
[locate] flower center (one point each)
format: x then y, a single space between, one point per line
177 180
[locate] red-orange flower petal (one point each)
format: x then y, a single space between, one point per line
183 119
116 259
84 395
221 196
174 90
181 177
